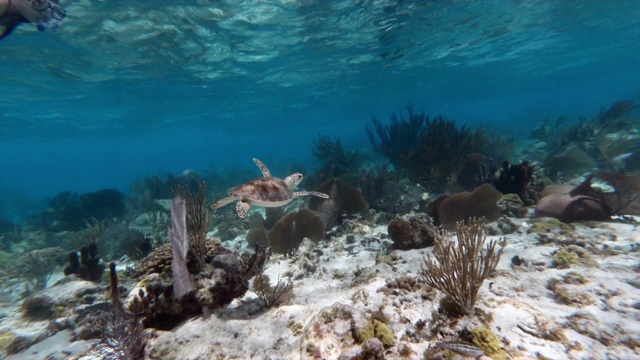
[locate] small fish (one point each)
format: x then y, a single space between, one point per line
461 348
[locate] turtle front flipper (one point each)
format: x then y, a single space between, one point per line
263 168
242 207
312 193
222 202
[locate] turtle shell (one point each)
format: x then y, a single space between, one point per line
268 190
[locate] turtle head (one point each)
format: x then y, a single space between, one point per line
294 180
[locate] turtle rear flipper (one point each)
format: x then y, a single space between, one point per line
242 208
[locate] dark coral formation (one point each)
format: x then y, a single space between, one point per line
343 199
412 232
88 265
287 234
428 150
517 179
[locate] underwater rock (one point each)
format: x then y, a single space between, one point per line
481 203
413 231
288 233
567 208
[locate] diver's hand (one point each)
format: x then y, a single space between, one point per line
24 9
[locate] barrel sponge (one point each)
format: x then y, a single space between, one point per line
287 234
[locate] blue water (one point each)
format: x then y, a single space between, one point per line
128 89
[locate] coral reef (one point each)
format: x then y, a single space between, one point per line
164 300
428 150
460 268
287 234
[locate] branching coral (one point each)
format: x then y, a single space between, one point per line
429 150
331 152
272 295
459 269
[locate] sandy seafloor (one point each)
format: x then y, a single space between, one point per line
599 319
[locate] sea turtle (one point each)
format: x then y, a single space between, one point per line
267 191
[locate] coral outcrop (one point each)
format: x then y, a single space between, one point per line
412 231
